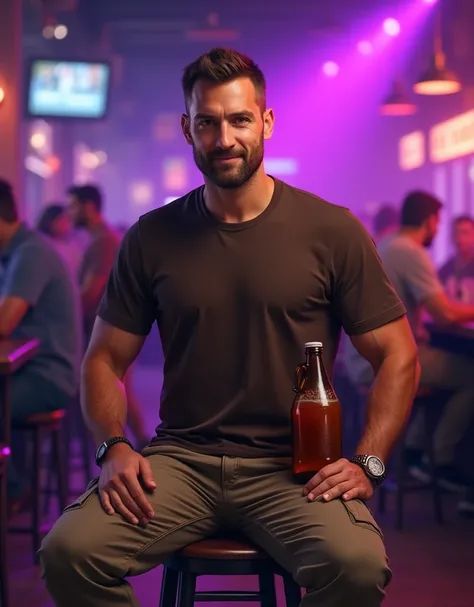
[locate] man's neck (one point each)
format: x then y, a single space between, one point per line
413 234
95 224
240 204
8 231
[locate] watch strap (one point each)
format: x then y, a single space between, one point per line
105 446
361 460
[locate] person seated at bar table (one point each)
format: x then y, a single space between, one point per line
37 300
457 274
413 274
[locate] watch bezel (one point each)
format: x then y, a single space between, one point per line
369 471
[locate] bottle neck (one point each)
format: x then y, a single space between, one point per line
316 376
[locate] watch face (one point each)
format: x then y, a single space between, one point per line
101 451
375 466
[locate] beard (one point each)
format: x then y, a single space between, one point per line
230 175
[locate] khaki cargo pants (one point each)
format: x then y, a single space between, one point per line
334 549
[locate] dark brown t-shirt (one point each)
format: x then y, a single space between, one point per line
235 304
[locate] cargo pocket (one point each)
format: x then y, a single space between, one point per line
360 515
82 499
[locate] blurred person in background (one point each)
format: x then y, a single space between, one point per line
385 222
56 223
85 208
457 274
38 299
412 272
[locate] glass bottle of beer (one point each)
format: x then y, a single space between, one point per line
315 416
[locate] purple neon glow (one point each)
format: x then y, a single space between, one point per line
430 1
5 451
365 47
331 69
391 27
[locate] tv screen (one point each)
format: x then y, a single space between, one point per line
68 89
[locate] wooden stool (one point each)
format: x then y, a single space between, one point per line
398 483
4 452
42 426
223 556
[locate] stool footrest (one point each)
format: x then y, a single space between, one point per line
226 595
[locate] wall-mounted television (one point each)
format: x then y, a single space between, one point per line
57 88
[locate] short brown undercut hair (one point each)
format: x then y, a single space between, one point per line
221 65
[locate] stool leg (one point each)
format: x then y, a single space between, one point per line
61 470
186 589
435 488
267 589
3 542
382 500
169 588
401 483
36 514
292 591
48 491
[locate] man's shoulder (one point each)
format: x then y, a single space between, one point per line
329 217
312 201
35 244
401 250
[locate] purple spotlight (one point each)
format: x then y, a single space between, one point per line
391 27
331 69
430 1
365 47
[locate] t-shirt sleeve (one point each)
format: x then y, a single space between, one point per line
128 300
363 295
21 279
421 276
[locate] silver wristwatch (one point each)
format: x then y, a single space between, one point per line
373 467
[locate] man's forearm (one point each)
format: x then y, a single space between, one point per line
389 405
103 400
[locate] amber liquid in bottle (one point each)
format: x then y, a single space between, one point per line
315 417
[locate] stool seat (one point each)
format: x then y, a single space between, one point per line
46 418
227 555
222 548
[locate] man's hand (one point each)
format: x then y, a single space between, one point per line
123 476
342 478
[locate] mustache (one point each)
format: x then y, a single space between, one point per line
219 155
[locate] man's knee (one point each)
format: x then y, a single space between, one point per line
355 567
66 551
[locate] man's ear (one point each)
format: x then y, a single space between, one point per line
186 128
268 123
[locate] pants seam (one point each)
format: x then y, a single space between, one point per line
276 539
144 548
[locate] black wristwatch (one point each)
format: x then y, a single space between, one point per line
373 467
105 446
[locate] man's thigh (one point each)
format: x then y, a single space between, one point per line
184 503
445 370
306 537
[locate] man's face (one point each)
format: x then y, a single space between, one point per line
431 229
227 128
77 212
463 237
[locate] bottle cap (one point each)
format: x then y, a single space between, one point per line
313 344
